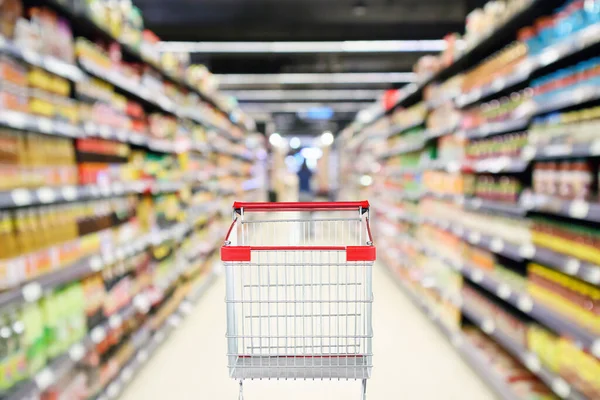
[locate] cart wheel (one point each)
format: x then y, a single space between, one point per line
241 391
364 390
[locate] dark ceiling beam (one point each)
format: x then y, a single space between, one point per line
258 31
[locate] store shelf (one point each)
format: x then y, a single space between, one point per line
32 290
148 348
491 42
576 209
566 264
496 165
528 359
559 323
570 46
398 129
62 365
574 97
466 350
494 128
431 134
48 63
85 23
24 197
520 75
512 209
404 149
34 123
133 89
494 243
558 151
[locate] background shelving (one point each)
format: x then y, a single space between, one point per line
493 225
117 169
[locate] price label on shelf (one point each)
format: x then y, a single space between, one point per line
122 136
31 57
142 356
98 334
21 197
527 251
46 195
525 304
15 120
579 209
69 193
532 362
96 264
572 266
76 352
45 125
497 245
105 131
592 275
127 374
118 188
113 390
474 237
44 379
115 321
488 326
477 276
32 292
504 291
561 387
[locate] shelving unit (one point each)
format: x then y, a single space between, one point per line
106 249
461 219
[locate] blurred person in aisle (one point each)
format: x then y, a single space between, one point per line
305 175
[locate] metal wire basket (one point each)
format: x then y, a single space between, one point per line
299 291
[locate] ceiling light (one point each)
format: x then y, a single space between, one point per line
327 138
313 153
295 143
254 108
316 78
275 139
347 46
304 95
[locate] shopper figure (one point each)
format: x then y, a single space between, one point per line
304 183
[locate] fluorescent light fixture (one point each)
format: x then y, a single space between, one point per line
315 78
295 143
304 95
253 108
313 153
327 138
275 139
348 46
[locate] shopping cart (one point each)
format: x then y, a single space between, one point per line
298 293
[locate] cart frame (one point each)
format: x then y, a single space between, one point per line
299 308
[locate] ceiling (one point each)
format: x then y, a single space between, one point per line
306 20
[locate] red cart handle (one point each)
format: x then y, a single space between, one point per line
302 206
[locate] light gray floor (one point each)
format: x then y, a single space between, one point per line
412 360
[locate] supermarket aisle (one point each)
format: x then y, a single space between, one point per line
411 359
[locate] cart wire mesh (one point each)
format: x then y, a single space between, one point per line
299 305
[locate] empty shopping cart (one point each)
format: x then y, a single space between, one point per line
299 291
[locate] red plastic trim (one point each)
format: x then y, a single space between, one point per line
235 253
361 253
301 206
